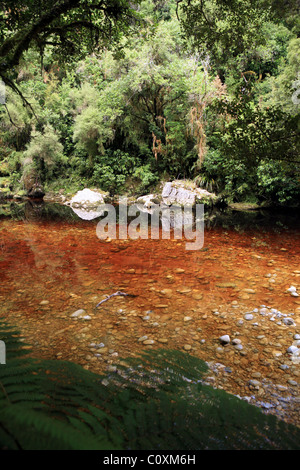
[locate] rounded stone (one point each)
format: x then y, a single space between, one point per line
236 341
248 316
78 313
288 321
292 382
143 338
254 383
264 311
225 339
148 341
256 375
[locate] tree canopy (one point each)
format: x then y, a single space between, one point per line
69 27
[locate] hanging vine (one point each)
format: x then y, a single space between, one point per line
197 119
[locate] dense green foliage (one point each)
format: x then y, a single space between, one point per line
155 401
204 89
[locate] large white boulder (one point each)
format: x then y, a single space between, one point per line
87 197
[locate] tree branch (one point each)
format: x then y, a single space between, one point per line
39 26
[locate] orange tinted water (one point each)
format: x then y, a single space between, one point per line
52 268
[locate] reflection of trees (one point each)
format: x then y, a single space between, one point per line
261 219
33 210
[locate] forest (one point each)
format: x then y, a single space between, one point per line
136 94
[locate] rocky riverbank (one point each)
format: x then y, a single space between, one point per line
176 193
271 384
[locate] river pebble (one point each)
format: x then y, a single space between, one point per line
248 316
225 339
79 313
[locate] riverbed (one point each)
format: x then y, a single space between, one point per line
55 270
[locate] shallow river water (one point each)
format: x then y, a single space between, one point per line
52 264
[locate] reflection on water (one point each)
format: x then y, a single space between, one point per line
279 219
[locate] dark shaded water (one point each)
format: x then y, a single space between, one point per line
275 220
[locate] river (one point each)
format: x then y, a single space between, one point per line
55 270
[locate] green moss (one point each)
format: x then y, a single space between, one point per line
20 194
4 168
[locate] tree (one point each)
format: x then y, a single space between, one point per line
225 29
68 27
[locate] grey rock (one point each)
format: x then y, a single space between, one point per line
264 311
248 316
292 382
143 338
267 406
225 339
254 383
236 341
78 313
288 321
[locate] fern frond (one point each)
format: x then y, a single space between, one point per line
155 401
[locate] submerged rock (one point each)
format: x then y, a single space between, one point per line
78 314
225 339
